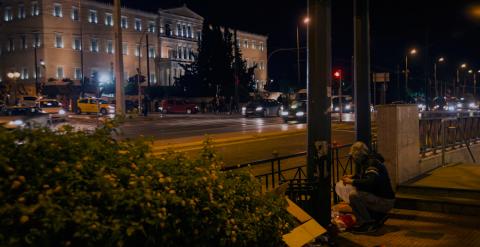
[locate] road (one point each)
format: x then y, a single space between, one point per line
237 139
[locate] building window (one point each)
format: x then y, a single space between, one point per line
8 15
77 44
58 41
75 14
124 23
254 45
261 46
125 48
77 74
108 19
35 9
153 78
60 74
57 10
185 55
24 74
11 45
94 45
109 47
184 31
190 53
151 52
179 52
36 40
179 28
168 30
245 43
21 11
151 26
162 29
23 39
189 31
138 24
92 16
261 65
138 51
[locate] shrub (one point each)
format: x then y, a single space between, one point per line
77 189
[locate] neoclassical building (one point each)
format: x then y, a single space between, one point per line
69 39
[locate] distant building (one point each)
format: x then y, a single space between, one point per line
62 30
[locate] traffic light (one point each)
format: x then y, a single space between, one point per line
338 74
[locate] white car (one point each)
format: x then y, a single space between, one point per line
24 117
52 107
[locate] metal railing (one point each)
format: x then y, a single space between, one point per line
441 131
290 169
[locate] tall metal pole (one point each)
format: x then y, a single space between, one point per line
298 58
82 78
119 91
147 98
475 86
406 77
456 83
340 97
435 78
319 94
362 71
36 70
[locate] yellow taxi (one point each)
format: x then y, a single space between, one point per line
93 105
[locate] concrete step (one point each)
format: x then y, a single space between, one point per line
445 200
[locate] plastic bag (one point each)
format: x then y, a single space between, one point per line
344 190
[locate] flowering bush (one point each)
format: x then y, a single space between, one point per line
76 189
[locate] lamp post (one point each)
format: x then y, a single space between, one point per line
474 73
306 20
411 52
462 66
14 77
439 60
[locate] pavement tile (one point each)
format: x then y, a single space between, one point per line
419 229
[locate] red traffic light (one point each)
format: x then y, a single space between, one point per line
337 74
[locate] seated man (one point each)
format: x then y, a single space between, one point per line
374 193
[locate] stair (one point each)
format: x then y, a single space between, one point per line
437 199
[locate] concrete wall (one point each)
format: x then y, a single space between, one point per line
398 141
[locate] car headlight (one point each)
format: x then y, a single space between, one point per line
337 108
244 108
451 108
42 111
62 112
160 108
111 107
459 105
259 108
300 114
16 123
284 113
348 107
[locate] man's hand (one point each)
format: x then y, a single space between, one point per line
347 180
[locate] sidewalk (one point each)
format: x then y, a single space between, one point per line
406 228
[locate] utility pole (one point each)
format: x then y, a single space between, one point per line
37 91
147 97
119 91
319 74
362 71
298 58
82 79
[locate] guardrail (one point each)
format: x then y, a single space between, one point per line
442 131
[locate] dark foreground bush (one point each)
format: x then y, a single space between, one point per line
78 189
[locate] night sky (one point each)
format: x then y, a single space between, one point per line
442 26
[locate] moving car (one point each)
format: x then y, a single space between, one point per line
93 105
262 108
177 106
24 117
52 107
347 104
296 112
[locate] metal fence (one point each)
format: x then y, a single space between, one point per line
292 168
442 131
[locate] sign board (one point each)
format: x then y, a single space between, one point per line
381 77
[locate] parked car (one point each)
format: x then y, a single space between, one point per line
28 101
296 112
52 107
93 105
177 106
262 108
24 117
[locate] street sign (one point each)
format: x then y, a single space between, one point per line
381 77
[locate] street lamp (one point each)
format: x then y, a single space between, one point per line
462 66
306 20
412 52
439 60
14 76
